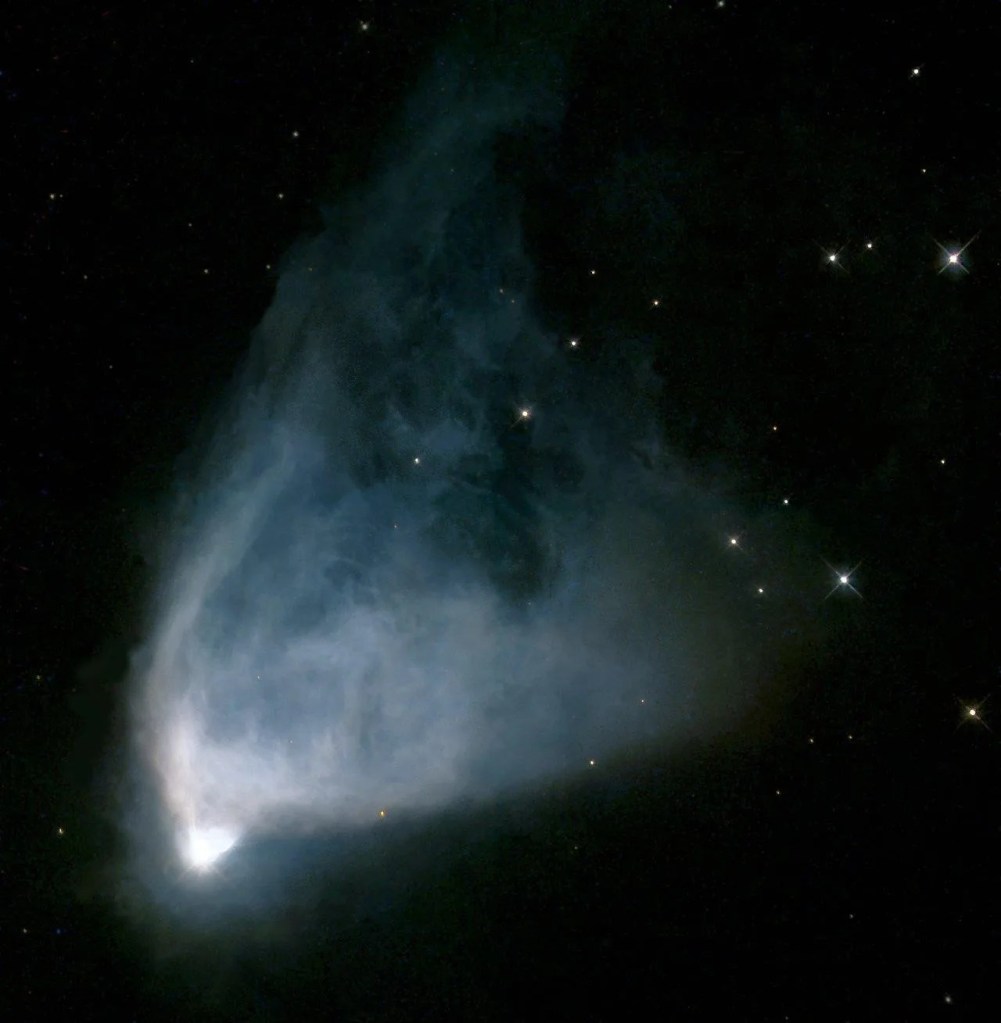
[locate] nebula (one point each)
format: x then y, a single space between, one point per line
433 551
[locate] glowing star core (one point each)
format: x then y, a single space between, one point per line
202 847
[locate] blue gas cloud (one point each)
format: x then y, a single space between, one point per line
433 553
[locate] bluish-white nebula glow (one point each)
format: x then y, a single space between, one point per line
384 592
201 847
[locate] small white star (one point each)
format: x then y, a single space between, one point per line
417 461
574 342
656 302
785 500
915 71
761 590
593 272
591 763
734 541
868 245
364 26
295 134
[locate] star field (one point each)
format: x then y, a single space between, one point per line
781 228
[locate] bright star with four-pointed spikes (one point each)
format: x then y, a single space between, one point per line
952 259
973 714
844 579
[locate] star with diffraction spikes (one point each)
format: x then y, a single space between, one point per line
952 259
972 713
843 580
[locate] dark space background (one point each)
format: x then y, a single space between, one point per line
833 855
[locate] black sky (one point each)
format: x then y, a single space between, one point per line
832 854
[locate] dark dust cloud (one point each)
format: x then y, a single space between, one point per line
434 553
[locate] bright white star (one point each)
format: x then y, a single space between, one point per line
952 258
844 580
972 712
